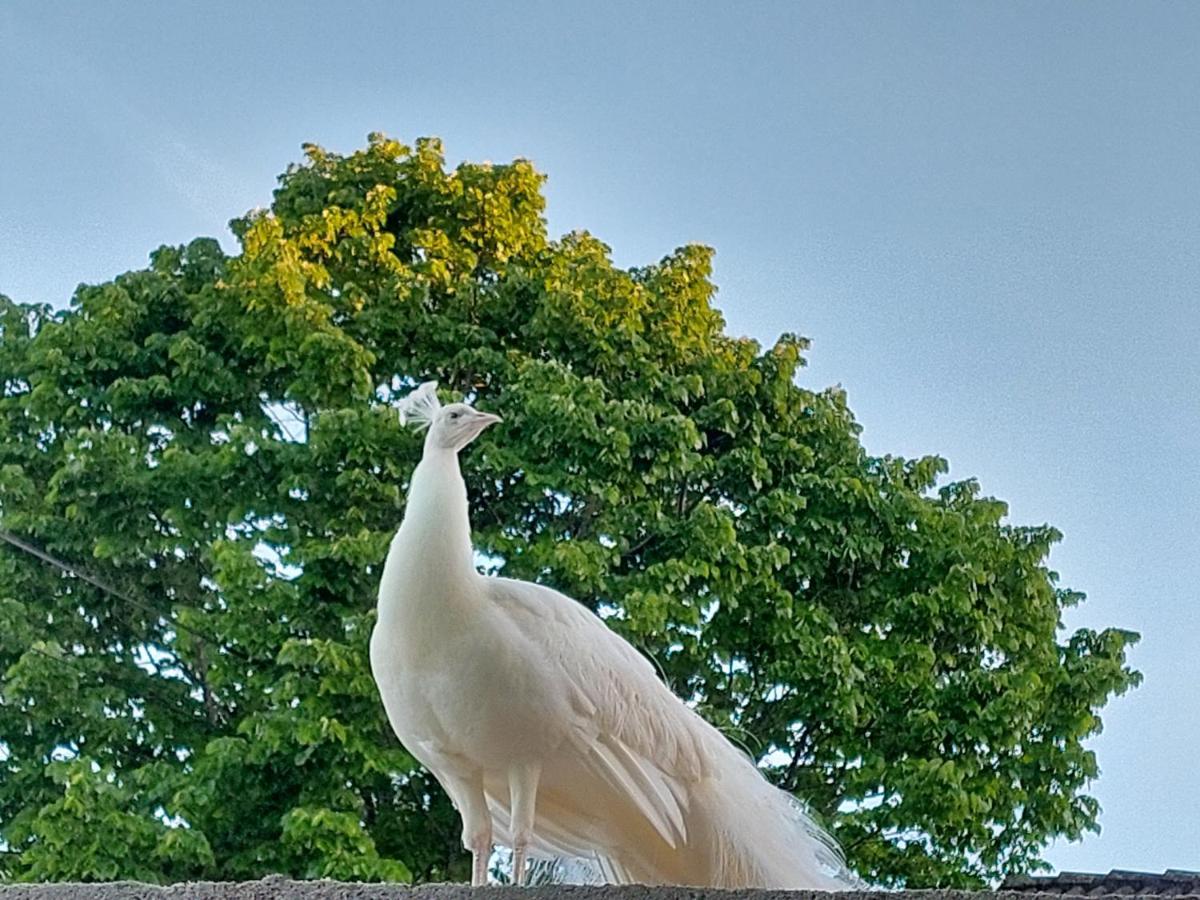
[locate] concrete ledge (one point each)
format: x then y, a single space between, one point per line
276 887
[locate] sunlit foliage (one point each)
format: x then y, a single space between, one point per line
212 436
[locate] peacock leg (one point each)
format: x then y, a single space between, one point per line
476 824
479 860
522 798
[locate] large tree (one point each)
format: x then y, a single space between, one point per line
212 440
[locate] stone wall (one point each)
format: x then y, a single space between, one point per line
271 888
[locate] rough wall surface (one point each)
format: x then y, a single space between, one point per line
272 888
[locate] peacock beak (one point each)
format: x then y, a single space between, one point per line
487 419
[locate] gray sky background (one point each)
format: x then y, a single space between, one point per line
986 216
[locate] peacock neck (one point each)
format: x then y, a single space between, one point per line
436 522
429 576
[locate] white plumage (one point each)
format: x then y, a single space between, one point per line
550 733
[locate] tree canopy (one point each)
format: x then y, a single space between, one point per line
212 437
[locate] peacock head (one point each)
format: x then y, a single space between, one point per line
450 427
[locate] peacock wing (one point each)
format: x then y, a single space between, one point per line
630 728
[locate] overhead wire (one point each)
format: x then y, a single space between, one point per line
81 573
98 583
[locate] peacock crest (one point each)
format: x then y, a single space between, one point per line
420 406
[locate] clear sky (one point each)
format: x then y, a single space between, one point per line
986 216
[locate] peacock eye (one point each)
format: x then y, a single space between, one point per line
454 415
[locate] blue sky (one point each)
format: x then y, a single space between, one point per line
986 217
